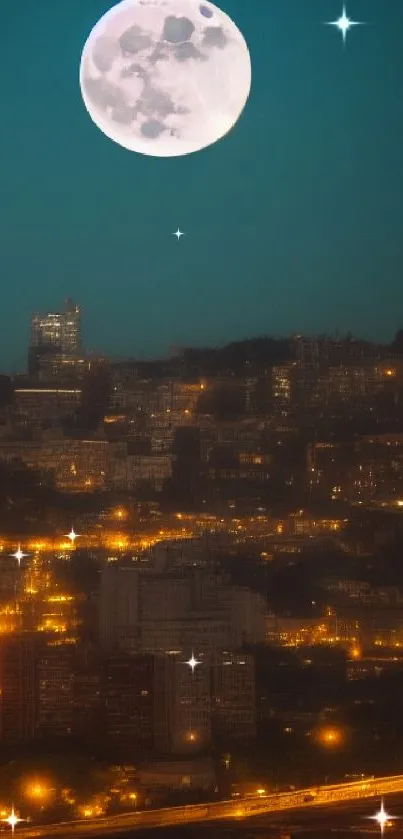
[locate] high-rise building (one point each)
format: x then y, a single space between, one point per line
165 596
55 691
128 700
55 340
233 695
247 610
182 705
87 712
87 700
119 607
18 700
283 376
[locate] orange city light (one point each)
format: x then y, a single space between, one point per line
330 736
37 789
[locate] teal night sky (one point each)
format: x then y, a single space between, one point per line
294 221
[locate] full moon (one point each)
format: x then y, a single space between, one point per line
165 77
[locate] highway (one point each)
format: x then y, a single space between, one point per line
235 809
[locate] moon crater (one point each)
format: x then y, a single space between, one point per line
205 11
177 29
134 40
214 36
187 50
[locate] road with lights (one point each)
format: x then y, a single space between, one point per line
235 809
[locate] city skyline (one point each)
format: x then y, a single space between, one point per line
201 448
56 338
292 221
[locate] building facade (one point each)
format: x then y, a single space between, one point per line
55 339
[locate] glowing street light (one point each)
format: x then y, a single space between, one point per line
330 736
37 791
382 817
13 819
19 555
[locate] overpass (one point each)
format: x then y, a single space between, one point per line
214 811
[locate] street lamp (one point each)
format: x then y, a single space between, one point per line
37 791
330 737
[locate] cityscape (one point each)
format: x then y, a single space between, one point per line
201 587
201 420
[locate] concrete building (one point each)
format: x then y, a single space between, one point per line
129 472
283 382
165 597
18 697
87 714
128 700
75 465
366 470
177 610
161 636
182 704
208 631
55 339
34 406
185 396
233 696
161 429
119 613
55 691
247 611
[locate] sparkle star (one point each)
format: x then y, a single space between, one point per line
382 817
19 555
13 819
343 23
192 663
178 234
72 536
